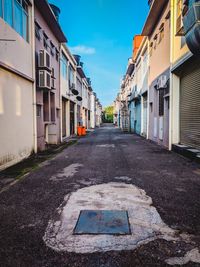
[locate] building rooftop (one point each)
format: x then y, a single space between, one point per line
48 15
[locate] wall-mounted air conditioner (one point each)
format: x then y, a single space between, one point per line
162 82
44 79
44 60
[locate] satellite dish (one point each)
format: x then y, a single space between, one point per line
79 98
74 92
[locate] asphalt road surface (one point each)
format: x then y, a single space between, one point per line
105 160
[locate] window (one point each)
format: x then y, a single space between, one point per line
155 40
161 34
179 23
53 111
53 49
38 31
15 13
39 108
57 113
45 40
8 12
161 102
1 8
144 64
64 66
151 49
57 54
71 75
79 86
151 106
18 22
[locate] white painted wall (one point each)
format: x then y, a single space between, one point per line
16 118
93 107
17 95
65 91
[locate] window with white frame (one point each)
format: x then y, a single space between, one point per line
38 31
144 64
63 66
139 76
45 40
161 34
79 86
39 110
71 76
15 13
1 8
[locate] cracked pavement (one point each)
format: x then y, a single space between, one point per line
105 156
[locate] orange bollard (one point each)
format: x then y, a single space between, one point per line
83 132
79 130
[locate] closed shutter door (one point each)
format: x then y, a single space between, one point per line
190 107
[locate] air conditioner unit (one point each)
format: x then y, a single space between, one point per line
44 61
179 26
162 82
44 79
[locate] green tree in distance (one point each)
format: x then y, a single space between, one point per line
108 114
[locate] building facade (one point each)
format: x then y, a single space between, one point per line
17 88
70 89
164 104
158 33
45 94
185 71
48 38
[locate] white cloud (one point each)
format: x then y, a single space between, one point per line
81 49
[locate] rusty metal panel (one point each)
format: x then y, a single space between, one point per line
113 222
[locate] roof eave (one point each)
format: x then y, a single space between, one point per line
153 16
50 19
81 72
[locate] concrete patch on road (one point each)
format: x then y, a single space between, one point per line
145 222
107 145
191 256
67 172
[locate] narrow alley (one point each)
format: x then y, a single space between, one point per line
112 171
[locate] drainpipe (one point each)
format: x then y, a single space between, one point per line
60 97
148 89
34 77
172 20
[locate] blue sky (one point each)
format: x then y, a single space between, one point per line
101 31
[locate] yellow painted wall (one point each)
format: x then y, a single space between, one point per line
178 51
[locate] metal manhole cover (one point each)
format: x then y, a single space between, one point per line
113 222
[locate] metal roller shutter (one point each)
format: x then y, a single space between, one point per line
190 106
